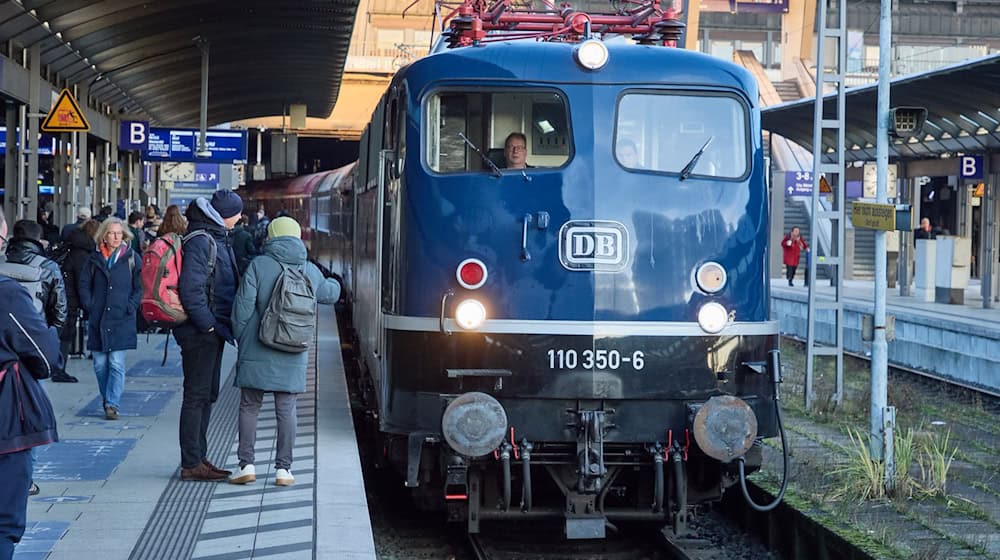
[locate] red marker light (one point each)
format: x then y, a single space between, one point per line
471 274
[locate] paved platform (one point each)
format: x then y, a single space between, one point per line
111 489
959 343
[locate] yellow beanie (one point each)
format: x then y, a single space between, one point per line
280 227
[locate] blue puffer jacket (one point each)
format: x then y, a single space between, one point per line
194 273
26 417
111 297
262 367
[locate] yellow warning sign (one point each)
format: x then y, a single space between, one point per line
980 190
65 116
824 185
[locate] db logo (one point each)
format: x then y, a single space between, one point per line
593 245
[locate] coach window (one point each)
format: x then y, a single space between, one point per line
485 119
664 131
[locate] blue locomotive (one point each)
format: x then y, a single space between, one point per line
557 273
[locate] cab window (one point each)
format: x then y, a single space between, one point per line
536 122
664 131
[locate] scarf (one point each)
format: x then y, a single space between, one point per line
113 258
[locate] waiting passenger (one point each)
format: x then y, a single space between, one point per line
243 246
29 351
207 290
515 151
261 368
110 291
173 222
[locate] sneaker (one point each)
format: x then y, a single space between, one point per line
209 464
245 475
34 490
64 378
283 477
110 413
201 472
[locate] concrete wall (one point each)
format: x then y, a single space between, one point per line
965 351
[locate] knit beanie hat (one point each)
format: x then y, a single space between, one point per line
227 203
283 226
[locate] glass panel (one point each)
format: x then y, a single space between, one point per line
513 129
663 132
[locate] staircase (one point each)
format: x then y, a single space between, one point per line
788 90
864 250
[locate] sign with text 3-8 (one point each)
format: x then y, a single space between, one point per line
134 135
970 167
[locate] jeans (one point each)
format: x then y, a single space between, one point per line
201 360
284 409
15 472
109 367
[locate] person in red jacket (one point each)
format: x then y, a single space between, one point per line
792 246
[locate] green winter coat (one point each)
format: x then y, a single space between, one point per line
259 366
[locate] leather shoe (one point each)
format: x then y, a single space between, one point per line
214 468
201 472
64 378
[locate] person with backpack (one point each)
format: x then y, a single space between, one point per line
274 321
27 263
28 353
208 280
110 291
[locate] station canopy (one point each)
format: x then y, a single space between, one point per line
963 114
140 56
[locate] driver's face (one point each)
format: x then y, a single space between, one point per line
516 153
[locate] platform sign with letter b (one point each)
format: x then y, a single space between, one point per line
134 135
970 167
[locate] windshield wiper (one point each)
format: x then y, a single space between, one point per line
686 171
493 166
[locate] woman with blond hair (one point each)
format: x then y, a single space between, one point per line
110 290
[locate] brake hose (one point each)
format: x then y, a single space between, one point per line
776 368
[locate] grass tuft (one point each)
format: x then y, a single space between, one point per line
935 458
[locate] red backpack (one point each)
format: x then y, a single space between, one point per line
161 274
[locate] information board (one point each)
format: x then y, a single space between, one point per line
180 144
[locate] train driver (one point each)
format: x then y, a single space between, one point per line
515 151
628 154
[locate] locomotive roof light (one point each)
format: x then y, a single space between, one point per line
710 277
712 317
470 314
471 274
592 54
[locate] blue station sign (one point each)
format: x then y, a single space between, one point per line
46 143
180 144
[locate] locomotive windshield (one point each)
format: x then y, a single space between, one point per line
513 129
663 132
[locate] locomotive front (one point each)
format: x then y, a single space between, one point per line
574 283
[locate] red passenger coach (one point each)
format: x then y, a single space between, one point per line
292 197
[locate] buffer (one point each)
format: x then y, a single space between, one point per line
65 116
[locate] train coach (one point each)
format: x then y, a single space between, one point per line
557 252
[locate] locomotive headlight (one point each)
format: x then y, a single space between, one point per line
712 317
592 54
710 277
470 314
